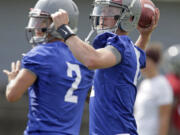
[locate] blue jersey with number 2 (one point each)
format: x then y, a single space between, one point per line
56 99
112 101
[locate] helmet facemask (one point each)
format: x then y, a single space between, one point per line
106 17
39 27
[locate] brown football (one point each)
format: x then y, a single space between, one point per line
147 12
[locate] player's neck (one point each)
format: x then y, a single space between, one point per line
56 39
120 32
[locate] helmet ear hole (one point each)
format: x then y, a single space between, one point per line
90 17
131 18
116 17
44 29
29 30
123 10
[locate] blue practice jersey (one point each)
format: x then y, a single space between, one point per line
56 99
112 102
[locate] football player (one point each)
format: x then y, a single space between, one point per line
117 59
57 83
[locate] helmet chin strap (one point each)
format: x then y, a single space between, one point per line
100 31
89 35
113 30
37 40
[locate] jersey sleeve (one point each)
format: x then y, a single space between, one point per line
35 62
142 58
122 44
119 43
115 52
100 40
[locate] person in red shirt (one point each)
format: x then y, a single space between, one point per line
172 57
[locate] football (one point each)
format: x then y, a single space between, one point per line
147 12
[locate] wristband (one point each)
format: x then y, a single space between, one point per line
65 31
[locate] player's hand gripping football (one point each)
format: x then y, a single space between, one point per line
147 31
15 67
59 18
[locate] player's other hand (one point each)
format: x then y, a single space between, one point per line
147 31
15 67
59 18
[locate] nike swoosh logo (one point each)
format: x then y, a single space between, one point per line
65 32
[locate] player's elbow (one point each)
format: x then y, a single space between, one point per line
91 64
11 98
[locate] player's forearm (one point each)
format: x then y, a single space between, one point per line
142 41
85 53
11 97
19 85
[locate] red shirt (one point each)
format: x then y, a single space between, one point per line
175 83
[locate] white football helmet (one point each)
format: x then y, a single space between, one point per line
172 59
126 14
40 23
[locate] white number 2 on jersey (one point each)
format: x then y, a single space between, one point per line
69 97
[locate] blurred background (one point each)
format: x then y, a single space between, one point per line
14 17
